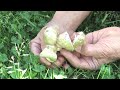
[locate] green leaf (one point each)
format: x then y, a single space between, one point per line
39 68
1 45
14 40
13 50
1 64
14 26
119 76
61 75
33 59
42 22
56 70
13 74
3 58
27 15
70 70
105 72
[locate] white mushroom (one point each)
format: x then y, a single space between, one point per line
55 42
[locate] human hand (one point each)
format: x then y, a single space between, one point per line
37 45
102 46
67 21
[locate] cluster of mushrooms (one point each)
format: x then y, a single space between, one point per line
55 42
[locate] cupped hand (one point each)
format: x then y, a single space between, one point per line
37 45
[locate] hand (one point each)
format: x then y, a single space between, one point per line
67 21
102 46
37 45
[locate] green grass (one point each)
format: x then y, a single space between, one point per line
16 60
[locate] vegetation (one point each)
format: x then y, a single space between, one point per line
17 28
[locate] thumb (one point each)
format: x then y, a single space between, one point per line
90 50
92 46
101 44
98 50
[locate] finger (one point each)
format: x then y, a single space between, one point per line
71 58
91 39
60 61
94 37
83 62
94 46
72 38
44 61
102 49
76 54
65 65
88 40
35 46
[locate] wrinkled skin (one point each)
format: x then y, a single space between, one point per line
102 46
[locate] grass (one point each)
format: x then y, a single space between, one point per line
17 28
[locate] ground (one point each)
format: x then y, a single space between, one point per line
17 28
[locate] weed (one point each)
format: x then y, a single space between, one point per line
17 28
